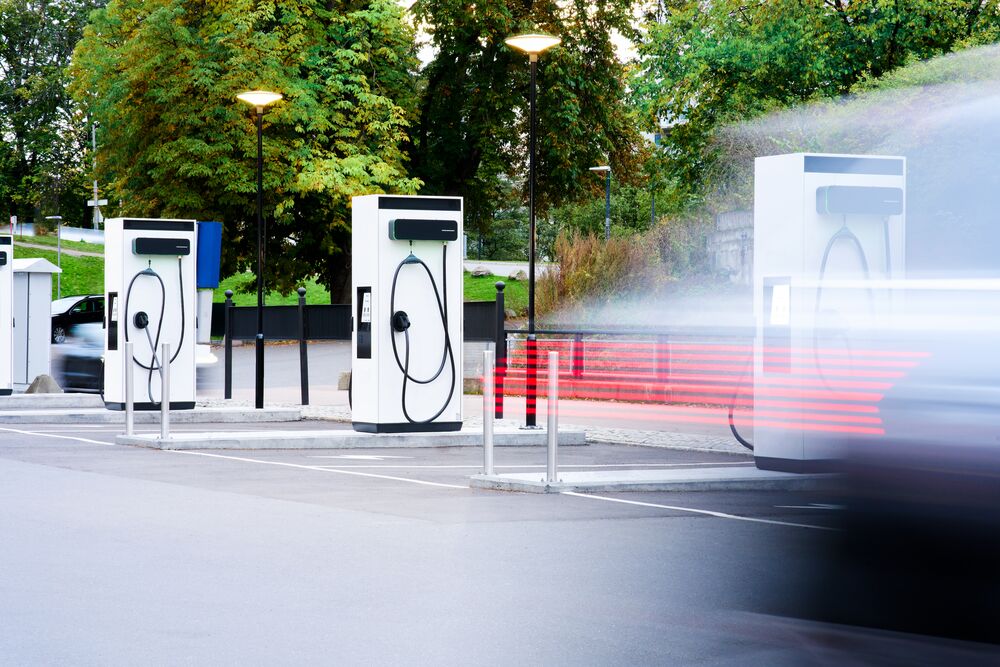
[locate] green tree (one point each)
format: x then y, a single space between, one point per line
703 65
41 130
471 137
162 77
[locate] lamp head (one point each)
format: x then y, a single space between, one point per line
601 168
532 43
259 98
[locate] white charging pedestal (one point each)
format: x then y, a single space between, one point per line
819 220
168 248
385 229
6 314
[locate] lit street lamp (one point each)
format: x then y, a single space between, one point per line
607 199
58 220
532 44
259 99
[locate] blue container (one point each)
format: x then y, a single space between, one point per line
209 254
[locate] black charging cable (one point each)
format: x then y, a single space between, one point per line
400 322
141 321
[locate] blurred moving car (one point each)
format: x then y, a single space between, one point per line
78 364
69 311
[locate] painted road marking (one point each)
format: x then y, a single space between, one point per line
541 467
813 506
719 515
362 457
317 468
61 437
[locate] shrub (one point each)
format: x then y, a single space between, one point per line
593 271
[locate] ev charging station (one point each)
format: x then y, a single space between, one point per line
828 231
149 284
406 352
6 314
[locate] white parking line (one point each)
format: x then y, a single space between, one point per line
541 467
61 437
719 515
318 468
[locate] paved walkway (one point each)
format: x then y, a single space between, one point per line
505 269
620 436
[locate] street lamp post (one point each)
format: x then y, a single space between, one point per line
532 44
259 99
607 198
58 221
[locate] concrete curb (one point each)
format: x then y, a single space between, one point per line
196 416
344 439
49 401
685 479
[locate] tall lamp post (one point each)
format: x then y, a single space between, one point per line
533 44
259 99
58 221
607 198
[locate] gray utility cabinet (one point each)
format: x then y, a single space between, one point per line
32 319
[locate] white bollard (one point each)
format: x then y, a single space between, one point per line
488 408
165 392
551 472
129 390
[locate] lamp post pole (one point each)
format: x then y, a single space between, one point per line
607 206
532 44
259 341
58 221
259 99
533 58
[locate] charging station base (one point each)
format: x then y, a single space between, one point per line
406 427
145 406
6 392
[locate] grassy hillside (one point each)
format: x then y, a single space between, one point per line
81 275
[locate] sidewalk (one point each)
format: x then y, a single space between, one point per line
617 436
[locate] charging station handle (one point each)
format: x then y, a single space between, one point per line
400 321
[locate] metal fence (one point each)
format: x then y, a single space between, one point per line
304 322
328 322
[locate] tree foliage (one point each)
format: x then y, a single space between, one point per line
471 137
41 131
707 64
162 78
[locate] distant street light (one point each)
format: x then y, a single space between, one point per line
96 202
58 219
260 99
532 44
607 199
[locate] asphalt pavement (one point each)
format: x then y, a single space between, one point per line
120 555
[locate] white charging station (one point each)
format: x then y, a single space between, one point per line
406 281
149 284
828 231
6 314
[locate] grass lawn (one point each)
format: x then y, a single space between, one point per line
85 275
81 275
484 288
315 293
